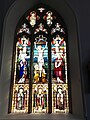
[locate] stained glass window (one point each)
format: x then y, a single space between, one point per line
40 61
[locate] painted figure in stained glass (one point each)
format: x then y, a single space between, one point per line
20 101
58 58
40 50
59 104
32 18
20 98
40 98
23 59
49 17
58 70
59 98
40 46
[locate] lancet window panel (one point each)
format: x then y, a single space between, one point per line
20 95
59 62
22 62
40 60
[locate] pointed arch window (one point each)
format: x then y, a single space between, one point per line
40 83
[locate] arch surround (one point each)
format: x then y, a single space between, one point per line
12 17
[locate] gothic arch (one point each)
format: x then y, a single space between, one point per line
11 19
40 62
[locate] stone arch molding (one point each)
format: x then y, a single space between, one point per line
17 9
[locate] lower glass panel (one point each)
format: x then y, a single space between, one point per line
40 98
60 98
20 98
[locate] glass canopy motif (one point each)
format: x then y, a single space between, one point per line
40 60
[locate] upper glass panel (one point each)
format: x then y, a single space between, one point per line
45 30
